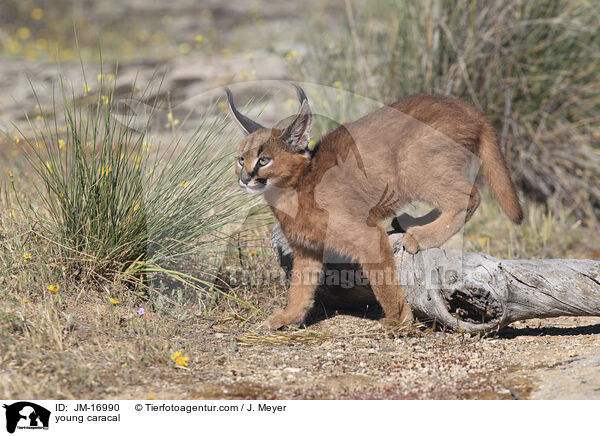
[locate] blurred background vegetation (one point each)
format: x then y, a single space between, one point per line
145 31
532 67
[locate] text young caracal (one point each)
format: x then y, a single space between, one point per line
330 198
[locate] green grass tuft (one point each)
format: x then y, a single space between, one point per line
118 198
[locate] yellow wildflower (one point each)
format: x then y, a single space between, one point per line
199 38
30 54
186 184
86 89
14 46
136 207
172 121
37 14
156 38
104 99
180 359
482 240
184 48
26 257
291 54
113 301
49 166
66 54
126 47
252 253
250 56
10 174
16 139
54 289
337 84
25 301
62 144
23 33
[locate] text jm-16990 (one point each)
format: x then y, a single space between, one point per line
97 407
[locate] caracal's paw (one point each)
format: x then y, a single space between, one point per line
403 320
410 243
280 318
276 320
396 323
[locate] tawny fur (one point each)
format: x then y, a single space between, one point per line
331 201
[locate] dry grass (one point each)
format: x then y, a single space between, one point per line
75 343
532 67
548 231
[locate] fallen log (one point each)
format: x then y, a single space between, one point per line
472 292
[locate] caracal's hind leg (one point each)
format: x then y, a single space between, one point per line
375 255
456 202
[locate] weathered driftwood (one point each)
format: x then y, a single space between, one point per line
473 292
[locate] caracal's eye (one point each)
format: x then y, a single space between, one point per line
263 161
240 161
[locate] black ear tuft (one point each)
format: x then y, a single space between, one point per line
245 123
301 94
297 134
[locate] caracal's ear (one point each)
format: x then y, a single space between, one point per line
246 124
297 134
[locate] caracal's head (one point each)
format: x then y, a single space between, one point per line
272 157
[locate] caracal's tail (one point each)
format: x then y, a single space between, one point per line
497 175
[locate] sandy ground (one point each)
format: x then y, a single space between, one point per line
348 357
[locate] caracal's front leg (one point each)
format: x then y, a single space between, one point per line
308 266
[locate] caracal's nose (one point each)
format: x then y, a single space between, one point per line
245 178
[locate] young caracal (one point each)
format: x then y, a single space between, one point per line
331 197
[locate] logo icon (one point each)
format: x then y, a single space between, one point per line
26 415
